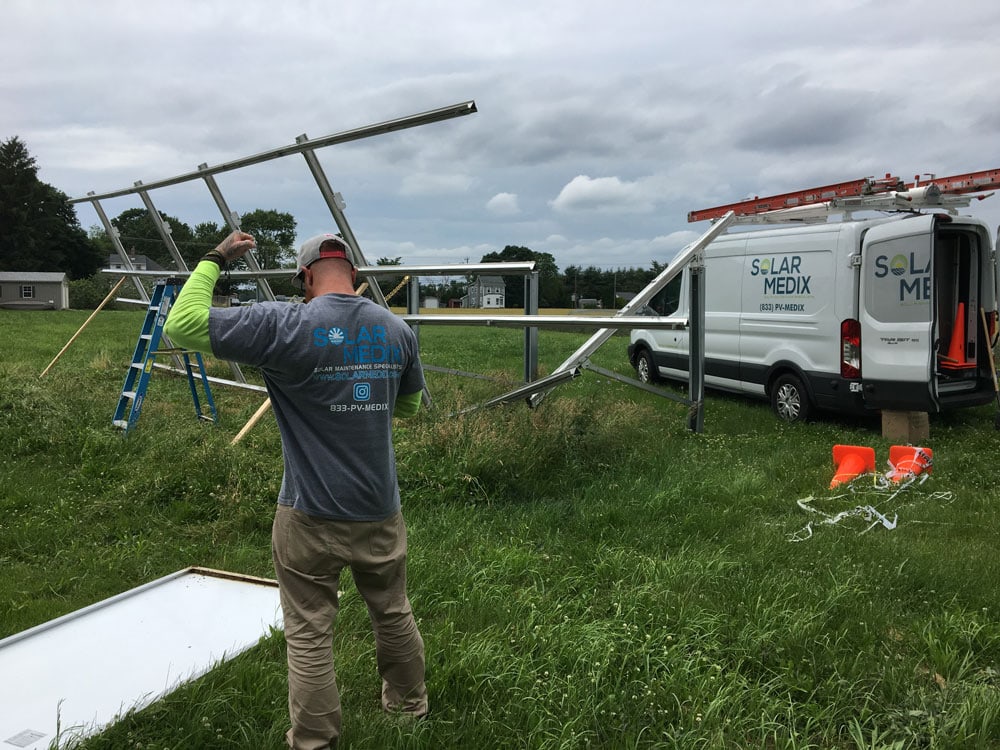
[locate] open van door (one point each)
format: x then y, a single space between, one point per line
896 312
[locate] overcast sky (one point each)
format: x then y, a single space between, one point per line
600 124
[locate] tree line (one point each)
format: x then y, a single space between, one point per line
39 231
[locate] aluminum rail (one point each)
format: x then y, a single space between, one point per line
454 269
389 126
611 374
542 385
549 321
212 379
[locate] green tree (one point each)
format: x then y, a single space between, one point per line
40 229
208 235
100 240
588 283
275 235
609 287
446 291
550 286
205 236
88 293
138 236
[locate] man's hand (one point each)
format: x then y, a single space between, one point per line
234 246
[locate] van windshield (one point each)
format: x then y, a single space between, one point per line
667 300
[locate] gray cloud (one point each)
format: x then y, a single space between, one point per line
788 123
608 125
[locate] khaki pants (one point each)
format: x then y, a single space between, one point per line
309 554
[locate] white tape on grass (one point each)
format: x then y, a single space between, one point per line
876 503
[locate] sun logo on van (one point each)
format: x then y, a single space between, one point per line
898 265
765 265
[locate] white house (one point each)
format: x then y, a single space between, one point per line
139 263
486 292
33 290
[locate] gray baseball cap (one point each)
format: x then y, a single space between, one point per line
315 248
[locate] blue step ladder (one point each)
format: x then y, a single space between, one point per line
133 393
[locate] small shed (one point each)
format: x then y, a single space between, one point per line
33 290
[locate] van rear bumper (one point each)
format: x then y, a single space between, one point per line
894 395
833 393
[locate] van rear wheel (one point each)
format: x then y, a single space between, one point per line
789 399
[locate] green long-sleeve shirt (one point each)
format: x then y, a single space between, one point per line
187 323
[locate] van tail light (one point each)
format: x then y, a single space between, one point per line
850 349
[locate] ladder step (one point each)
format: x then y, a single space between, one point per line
133 391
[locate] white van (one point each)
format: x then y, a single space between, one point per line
853 316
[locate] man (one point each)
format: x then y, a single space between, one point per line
337 370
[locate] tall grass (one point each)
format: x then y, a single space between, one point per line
586 574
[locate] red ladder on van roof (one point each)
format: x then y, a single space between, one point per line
972 182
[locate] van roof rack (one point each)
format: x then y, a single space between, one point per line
866 194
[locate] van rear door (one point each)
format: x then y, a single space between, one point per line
896 313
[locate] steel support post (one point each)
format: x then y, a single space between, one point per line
531 332
413 303
232 220
412 308
696 346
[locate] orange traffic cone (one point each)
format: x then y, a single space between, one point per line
851 461
908 461
955 359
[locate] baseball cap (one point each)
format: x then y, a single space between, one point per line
315 248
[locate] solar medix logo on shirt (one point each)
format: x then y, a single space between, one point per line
368 345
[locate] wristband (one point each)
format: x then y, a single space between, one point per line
215 257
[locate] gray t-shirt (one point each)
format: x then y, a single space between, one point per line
333 368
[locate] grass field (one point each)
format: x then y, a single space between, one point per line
586 574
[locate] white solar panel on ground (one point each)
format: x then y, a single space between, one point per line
80 672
